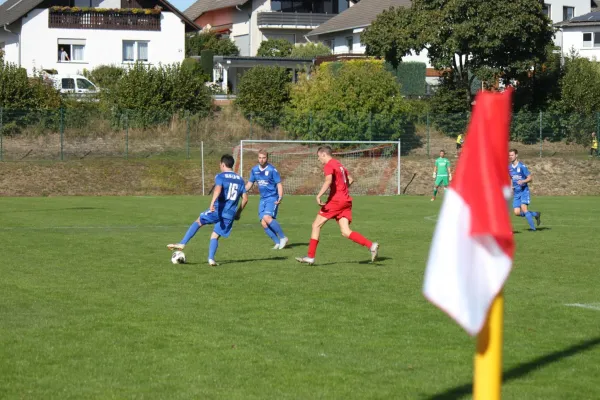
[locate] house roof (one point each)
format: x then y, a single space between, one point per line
12 10
589 19
358 16
202 6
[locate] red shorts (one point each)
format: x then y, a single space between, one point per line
337 210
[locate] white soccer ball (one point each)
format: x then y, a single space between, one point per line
178 257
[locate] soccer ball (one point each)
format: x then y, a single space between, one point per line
178 257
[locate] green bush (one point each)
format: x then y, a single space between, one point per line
209 40
354 100
411 76
310 50
275 48
450 108
156 93
105 76
263 93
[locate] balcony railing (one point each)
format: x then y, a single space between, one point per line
104 20
299 20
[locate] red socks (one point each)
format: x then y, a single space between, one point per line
360 239
312 248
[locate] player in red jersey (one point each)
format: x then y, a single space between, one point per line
338 206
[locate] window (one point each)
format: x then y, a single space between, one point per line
135 51
591 39
547 10
85 84
568 13
350 43
68 83
306 6
71 50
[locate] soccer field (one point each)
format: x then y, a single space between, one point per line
91 306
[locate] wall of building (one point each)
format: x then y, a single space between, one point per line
102 47
11 43
556 13
573 40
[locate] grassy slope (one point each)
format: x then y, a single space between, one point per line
92 308
552 176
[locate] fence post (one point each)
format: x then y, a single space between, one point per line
428 134
370 125
126 122
62 132
251 125
202 157
187 130
310 124
541 135
1 133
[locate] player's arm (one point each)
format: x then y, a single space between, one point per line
350 180
449 173
218 188
249 185
528 177
326 185
434 170
238 213
279 193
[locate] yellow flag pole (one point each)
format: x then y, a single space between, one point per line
487 382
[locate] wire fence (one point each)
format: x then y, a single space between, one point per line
88 132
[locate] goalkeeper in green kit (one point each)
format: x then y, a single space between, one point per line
441 173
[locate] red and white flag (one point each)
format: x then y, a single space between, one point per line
472 250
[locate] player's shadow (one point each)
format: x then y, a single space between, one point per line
292 245
544 228
239 261
524 369
376 261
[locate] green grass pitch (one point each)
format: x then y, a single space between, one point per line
92 308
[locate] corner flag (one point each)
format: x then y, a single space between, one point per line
472 250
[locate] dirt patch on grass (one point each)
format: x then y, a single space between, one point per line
166 177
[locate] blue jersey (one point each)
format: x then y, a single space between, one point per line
518 173
267 179
232 188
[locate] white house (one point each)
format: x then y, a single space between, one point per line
249 22
565 10
342 32
52 34
582 35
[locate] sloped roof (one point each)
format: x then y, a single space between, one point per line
202 6
589 19
358 16
12 10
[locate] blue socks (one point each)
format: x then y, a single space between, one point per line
272 235
212 248
274 225
190 233
529 216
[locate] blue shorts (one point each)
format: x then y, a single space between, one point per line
222 225
267 207
521 198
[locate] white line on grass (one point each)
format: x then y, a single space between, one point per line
593 306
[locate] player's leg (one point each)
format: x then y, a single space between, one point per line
317 224
270 232
270 217
438 182
356 237
212 248
222 229
204 219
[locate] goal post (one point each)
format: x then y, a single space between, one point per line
374 165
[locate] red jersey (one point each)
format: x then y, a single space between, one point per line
338 190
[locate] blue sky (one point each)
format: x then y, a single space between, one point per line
181 4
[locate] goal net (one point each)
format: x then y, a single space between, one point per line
375 166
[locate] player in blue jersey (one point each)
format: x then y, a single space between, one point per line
223 210
520 177
269 184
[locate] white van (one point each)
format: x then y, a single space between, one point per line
77 84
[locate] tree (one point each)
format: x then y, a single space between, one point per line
210 40
489 40
310 50
263 93
274 48
353 100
